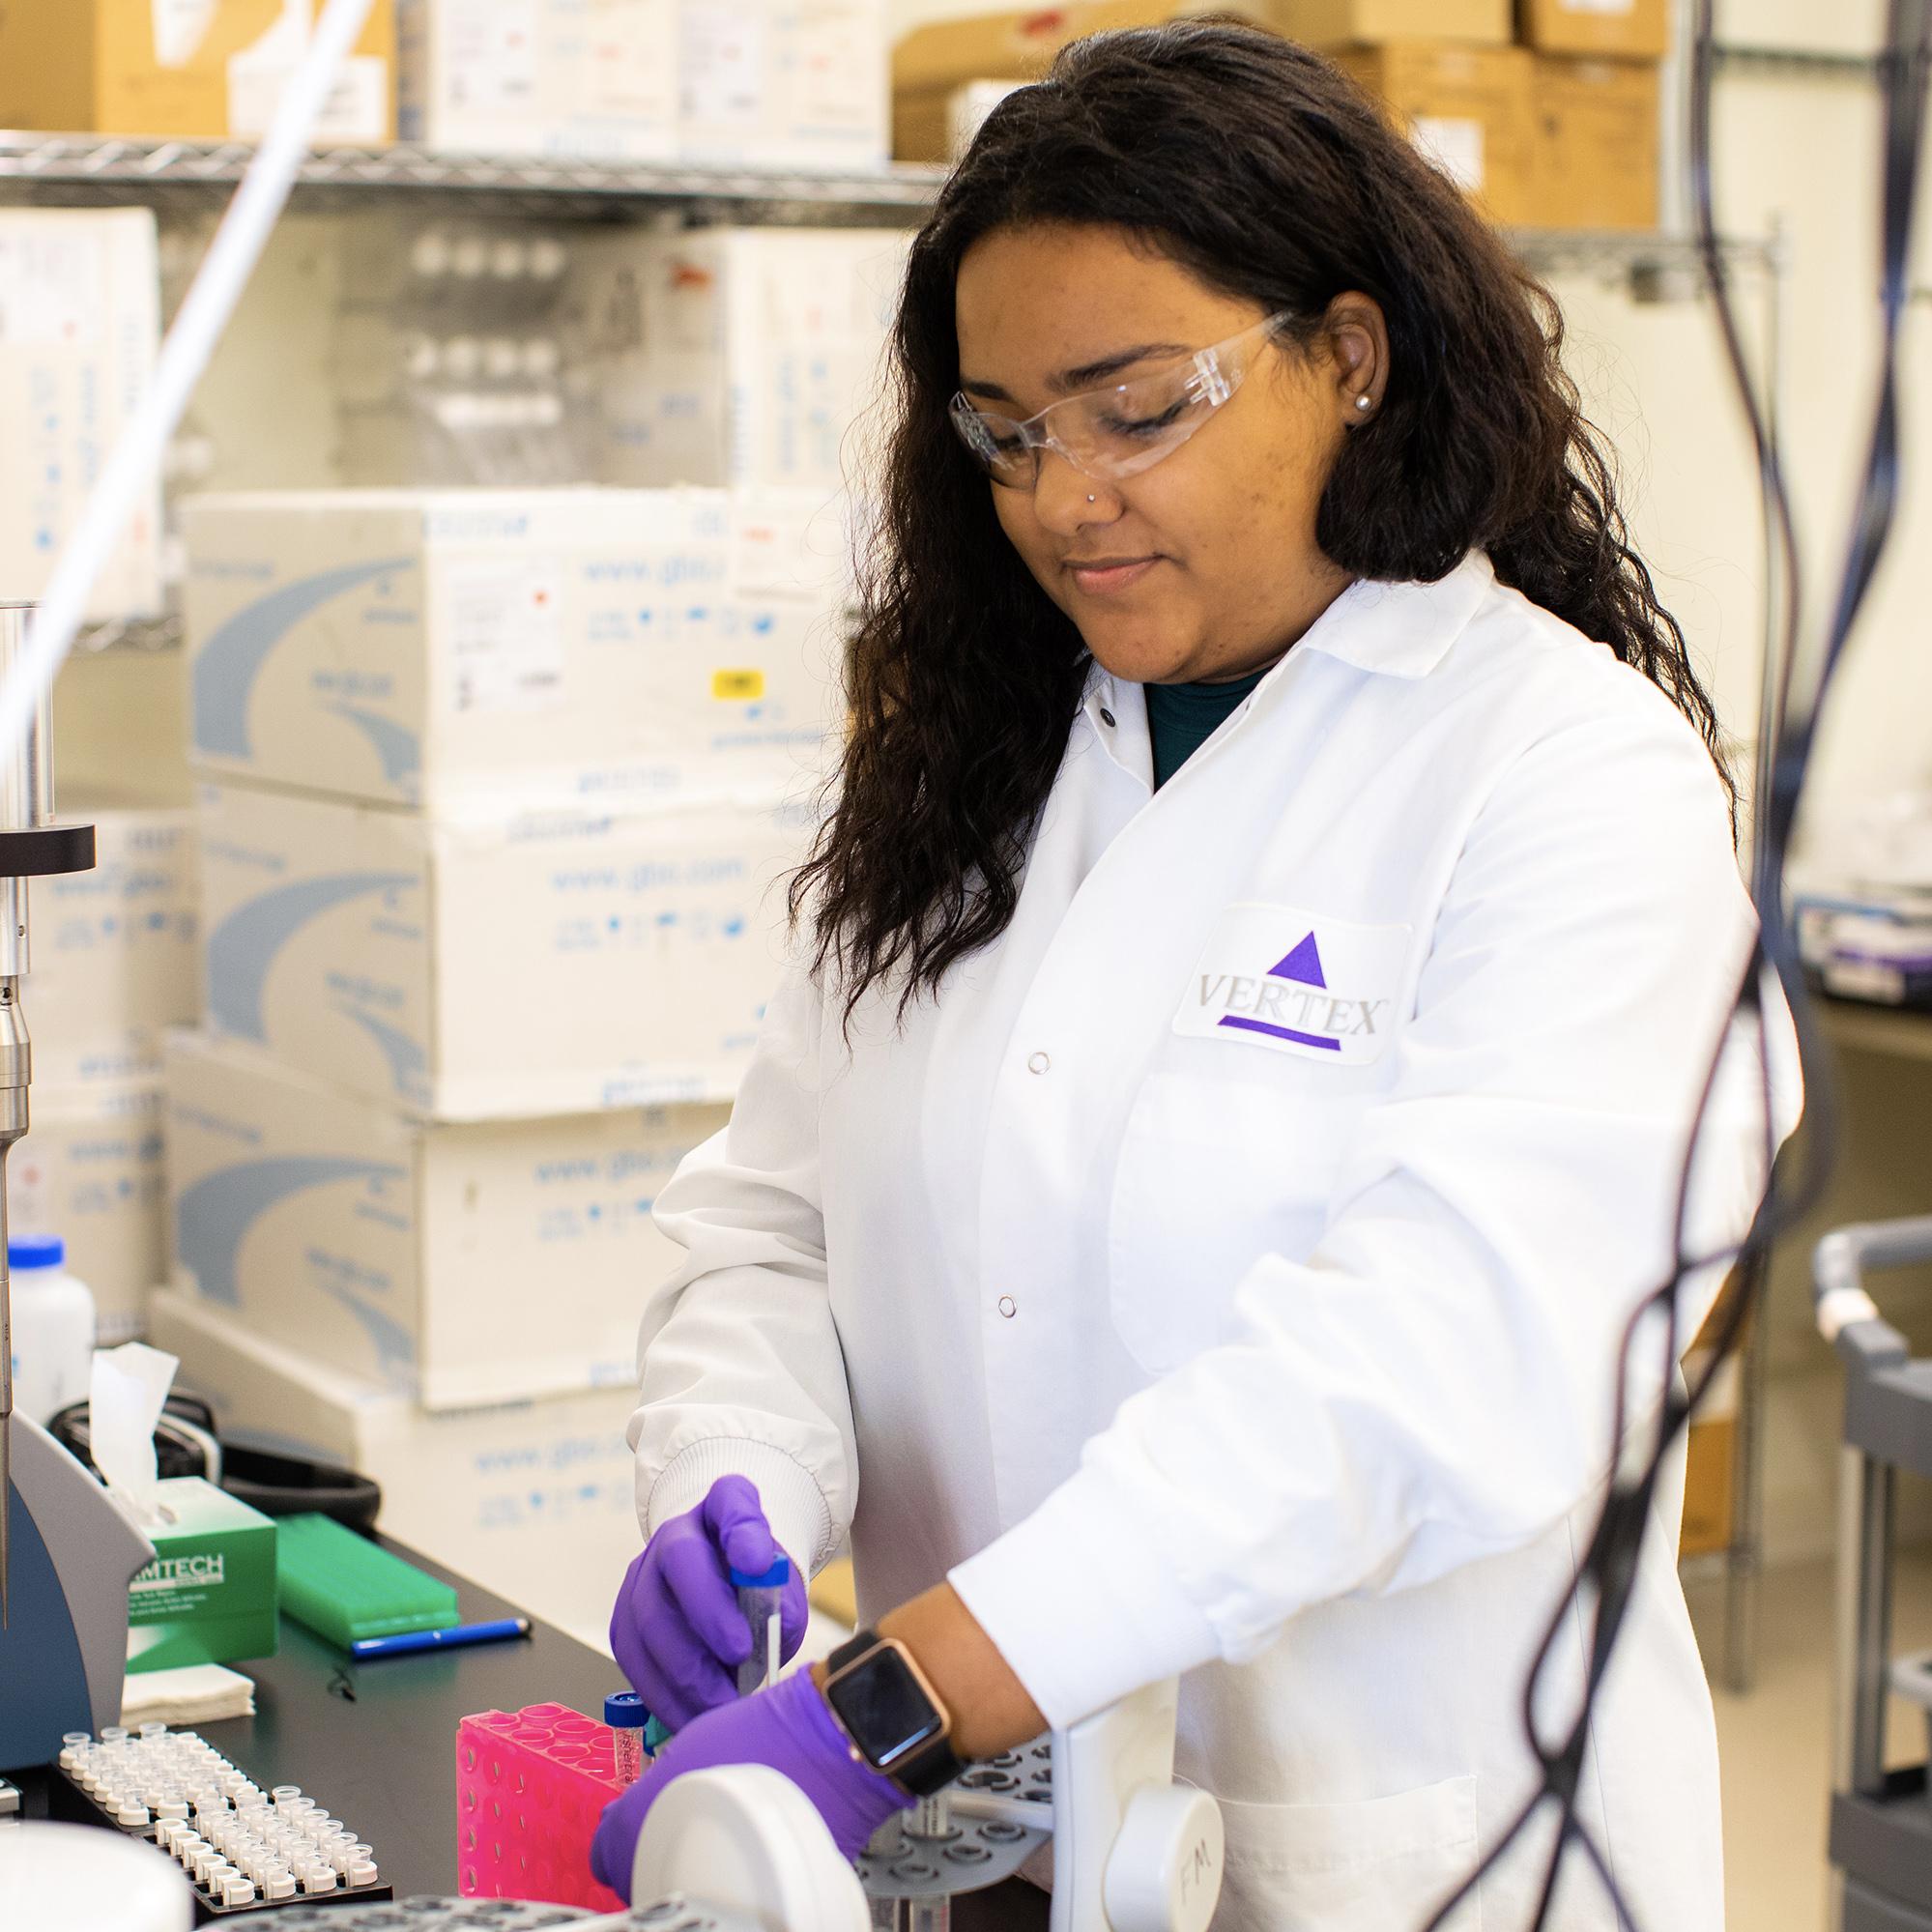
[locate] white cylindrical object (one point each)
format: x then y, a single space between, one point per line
77 1878
1164 1873
54 1328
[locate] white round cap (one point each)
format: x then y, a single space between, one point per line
1164 1873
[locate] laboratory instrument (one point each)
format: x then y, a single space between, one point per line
1881 1832
32 846
761 1595
625 1715
71 1878
52 1316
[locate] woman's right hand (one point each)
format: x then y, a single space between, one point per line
677 1630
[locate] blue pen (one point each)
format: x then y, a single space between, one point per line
498 1631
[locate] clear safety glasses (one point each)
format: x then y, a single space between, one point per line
1112 434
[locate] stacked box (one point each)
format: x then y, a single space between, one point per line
79 332
430 648
534 1499
764 84
551 77
115 961
749 357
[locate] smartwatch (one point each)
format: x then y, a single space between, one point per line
891 1714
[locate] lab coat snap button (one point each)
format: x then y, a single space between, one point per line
1106 716
1007 1307
1038 1064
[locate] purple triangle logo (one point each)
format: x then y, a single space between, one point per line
1303 964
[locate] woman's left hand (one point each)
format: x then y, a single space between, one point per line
789 1728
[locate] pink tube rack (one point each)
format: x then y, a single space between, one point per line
531 1786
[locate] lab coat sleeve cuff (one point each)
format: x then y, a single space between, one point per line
794 1506
1079 1603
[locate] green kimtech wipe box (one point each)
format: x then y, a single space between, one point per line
208 1596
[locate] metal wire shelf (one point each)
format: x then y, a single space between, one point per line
83 166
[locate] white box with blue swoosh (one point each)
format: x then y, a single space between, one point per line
456 1264
525 961
534 1500
428 647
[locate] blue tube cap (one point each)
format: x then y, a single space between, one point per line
624 1710
779 1573
36 1250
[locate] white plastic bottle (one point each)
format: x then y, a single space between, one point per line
53 1327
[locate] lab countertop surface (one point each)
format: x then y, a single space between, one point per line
375 1742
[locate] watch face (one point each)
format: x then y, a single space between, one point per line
884 1709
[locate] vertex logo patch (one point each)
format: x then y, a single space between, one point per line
1296 981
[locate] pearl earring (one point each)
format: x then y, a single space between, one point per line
1362 402
1090 500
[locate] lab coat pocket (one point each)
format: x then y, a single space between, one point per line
1213 1175
1376 1866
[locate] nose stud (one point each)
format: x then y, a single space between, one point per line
1090 498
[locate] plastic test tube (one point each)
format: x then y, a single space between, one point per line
760 1596
625 1715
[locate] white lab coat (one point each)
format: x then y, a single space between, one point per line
1277 1353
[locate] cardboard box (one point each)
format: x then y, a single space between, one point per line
1636 29
1467 108
783 83
944 54
1598 132
535 1501
79 332
1343 23
194 70
425 647
210 1596
93 1169
938 126
747 358
547 962
1711 1456
546 77
116 951
453 1264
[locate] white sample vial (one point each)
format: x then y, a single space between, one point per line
54 1328
625 1715
760 1597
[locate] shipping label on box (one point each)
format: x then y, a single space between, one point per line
544 963
210 1596
116 951
541 77
79 332
432 648
93 1169
534 1500
459 1264
750 357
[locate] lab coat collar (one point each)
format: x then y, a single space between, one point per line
1395 630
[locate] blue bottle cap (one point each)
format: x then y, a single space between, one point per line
750 1580
624 1710
36 1250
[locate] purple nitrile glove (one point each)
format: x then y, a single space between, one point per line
788 1728
677 1630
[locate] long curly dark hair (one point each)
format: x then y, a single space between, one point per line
1270 175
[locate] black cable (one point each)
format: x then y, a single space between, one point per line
1601 1591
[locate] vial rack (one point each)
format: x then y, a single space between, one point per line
531 1786
242 1849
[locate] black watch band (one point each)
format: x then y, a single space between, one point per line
881 1698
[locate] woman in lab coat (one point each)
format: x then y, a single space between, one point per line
1253 991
